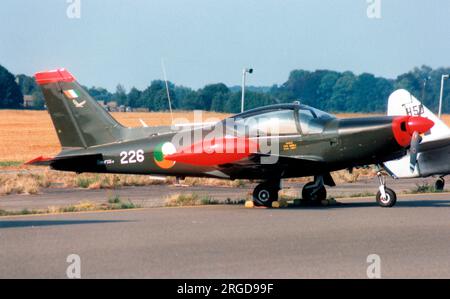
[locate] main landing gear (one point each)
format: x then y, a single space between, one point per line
386 197
266 193
314 192
440 184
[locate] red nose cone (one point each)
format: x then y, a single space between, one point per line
419 124
405 126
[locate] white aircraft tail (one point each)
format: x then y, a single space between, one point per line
401 102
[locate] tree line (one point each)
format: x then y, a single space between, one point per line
324 89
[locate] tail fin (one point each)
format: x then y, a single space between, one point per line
80 122
401 102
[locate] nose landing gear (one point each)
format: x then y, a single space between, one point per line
386 197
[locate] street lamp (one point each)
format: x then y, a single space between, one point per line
244 76
442 94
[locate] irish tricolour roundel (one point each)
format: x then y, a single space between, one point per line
161 151
71 94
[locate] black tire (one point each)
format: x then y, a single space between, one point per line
440 185
389 201
265 195
309 196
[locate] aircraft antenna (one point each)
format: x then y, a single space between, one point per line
167 88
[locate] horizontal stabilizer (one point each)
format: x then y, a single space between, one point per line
76 163
40 161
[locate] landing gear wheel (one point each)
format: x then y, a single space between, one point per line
440 184
389 201
265 194
312 194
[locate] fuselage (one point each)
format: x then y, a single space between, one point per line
307 144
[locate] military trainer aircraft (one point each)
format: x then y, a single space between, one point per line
266 144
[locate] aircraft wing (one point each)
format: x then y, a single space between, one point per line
266 163
434 144
268 159
272 162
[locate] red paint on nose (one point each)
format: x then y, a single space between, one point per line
215 151
419 124
404 127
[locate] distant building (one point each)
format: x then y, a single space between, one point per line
140 110
28 101
102 104
114 107
111 106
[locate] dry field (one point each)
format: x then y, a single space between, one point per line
25 135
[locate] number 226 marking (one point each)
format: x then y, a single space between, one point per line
132 157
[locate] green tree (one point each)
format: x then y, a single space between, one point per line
325 89
10 94
133 98
206 95
343 93
218 102
100 94
233 104
121 95
155 98
28 86
182 93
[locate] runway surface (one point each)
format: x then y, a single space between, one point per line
412 240
156 195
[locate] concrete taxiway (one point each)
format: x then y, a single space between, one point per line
156 195
411 239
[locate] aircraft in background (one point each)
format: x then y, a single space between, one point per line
432 157
266 144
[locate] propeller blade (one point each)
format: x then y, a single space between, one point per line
413 151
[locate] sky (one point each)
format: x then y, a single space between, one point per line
210 41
